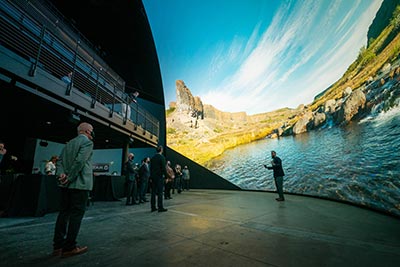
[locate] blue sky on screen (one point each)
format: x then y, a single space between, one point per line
257 55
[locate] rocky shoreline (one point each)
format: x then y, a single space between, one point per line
376 95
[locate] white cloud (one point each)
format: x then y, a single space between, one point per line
283 69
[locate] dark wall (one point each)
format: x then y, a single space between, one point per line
200 177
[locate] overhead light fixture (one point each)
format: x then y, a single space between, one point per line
43 143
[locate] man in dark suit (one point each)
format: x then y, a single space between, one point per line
3 152
278 174
75 176
144 174
157 174
131 183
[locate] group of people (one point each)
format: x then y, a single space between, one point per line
159 173
74 172
177 179
137 179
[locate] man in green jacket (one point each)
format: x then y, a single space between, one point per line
75 177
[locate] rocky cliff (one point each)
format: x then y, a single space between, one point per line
202 132
370 85
186 102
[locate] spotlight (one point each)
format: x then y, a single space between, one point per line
43 143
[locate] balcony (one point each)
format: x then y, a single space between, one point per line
45 56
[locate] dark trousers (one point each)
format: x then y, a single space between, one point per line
185 184
279 186
173 185
178 183
131 192
143 189
167 190
72 209
157 188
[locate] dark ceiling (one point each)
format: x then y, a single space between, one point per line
121 30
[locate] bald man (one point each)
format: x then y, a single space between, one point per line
75 177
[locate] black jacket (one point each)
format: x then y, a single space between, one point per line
277 167
157 166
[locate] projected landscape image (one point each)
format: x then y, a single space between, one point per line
316 81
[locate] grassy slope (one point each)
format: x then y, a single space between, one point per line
204 146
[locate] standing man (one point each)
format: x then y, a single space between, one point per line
185 178
144 174
131 183
3 151
157 174
75 177
50 168
278 174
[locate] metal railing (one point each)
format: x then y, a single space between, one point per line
66 55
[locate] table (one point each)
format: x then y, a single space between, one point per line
37 194
33 195
108 187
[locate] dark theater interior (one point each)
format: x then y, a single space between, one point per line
109 49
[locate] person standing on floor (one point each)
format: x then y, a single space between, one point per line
75 177
131 172
278 174
178 178
169 180
144 174
157 175
50 168
3 152
185 178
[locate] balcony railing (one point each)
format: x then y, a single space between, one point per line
52 46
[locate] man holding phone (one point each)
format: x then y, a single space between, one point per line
278 174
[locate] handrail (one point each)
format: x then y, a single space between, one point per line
69 60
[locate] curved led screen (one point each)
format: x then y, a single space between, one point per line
316 81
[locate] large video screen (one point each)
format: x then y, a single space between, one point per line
316 81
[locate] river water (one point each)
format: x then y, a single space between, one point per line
358 163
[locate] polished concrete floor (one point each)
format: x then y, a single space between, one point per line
213 228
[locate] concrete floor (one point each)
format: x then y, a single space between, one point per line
213 228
